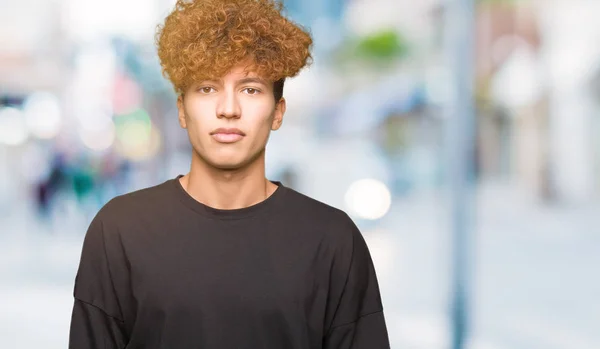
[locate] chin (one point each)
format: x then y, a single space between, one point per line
228 166
225 164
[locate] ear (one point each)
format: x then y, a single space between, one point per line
181 111
279 112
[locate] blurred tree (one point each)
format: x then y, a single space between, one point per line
387 44
378 51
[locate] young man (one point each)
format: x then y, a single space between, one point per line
223 258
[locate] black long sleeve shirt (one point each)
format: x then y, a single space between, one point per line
159 270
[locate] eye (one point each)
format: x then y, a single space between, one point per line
206 89
251 91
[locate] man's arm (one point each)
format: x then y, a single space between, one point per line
92 328
97 321
358 322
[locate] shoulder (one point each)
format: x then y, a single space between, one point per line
312 208
144 202
330 220
338 236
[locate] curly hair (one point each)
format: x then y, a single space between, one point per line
204 39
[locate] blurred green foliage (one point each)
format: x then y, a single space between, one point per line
377 49
382 45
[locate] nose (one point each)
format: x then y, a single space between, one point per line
229 106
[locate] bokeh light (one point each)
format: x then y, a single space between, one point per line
43 115
137 138
368 199
99 138
13 129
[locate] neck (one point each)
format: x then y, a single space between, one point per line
228 189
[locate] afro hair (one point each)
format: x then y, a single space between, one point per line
204 39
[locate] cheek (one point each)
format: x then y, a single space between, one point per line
198 118
261 115
263 125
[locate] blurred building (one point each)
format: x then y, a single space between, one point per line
535 108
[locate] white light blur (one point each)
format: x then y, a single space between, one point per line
518 83
95 120
569 30
43 115
95 67
368 199
13 130
363 17
98 139
87 19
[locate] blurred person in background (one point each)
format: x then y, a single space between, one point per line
222 257
47 188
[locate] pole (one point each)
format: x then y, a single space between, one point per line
460 128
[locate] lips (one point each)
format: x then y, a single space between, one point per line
228 131
227 135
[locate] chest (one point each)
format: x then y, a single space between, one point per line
228 277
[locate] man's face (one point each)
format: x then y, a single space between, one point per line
229 120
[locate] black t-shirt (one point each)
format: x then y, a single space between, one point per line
160 270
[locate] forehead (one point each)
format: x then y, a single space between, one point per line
238 75
242 71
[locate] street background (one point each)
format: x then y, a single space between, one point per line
85 115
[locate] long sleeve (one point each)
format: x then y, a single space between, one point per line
97 320
358 322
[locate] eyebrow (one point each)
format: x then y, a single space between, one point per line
249 80
239 82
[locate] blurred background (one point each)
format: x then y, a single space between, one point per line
496 248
